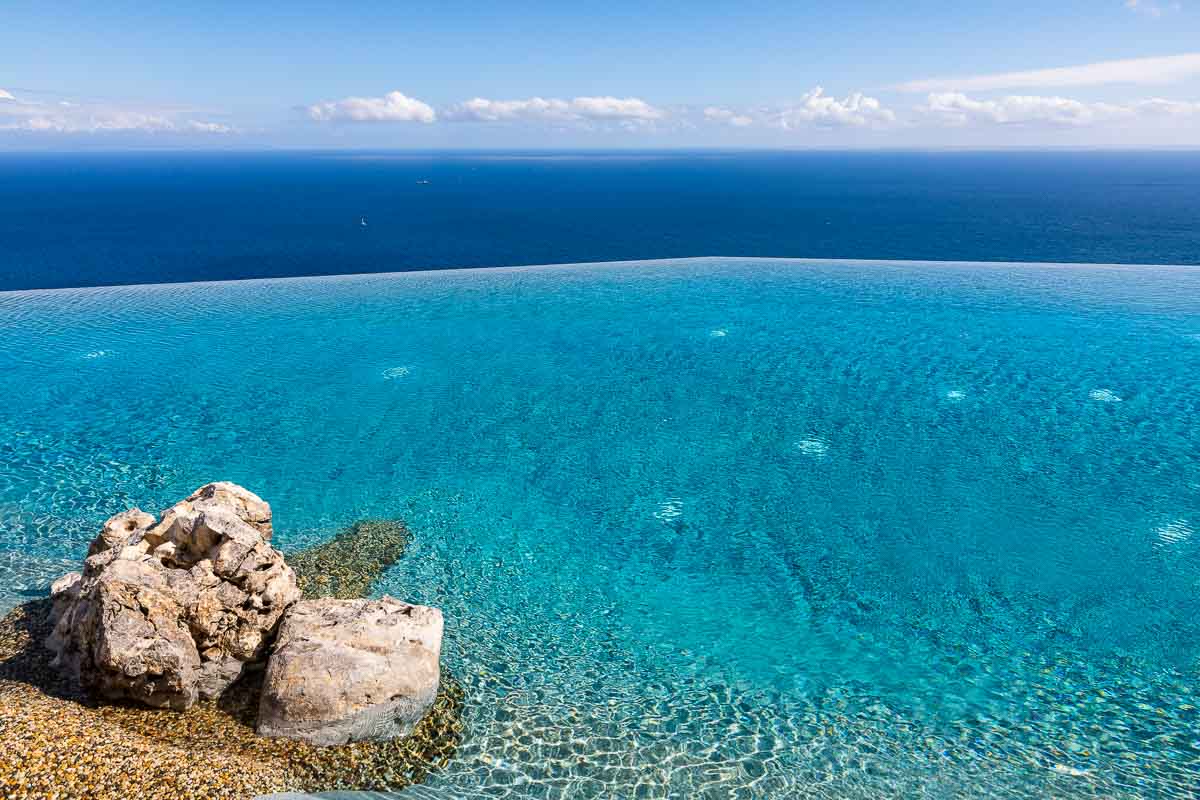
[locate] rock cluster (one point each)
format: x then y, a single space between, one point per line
169 612
56 742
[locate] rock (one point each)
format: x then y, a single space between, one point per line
245 504
347 565
67 586
351 670
119 528
168 613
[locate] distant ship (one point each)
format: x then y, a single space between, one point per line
363 222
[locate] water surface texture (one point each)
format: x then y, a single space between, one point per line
710 528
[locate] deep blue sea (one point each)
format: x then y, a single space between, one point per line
101 219
715 528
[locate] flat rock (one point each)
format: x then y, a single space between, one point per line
351 670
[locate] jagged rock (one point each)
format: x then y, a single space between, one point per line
245 505
119 529
174 611
66 585
351 670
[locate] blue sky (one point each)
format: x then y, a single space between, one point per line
1122 73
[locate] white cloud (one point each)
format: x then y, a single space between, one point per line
1165 69
1151 8
728 117
480 109
33 116
579 109
629 108
117 121
208 127
956 108
6 96
815 108
1170 108
392 107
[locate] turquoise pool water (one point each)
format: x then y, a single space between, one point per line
704 528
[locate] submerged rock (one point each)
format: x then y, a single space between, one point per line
351 670
168 613
347 565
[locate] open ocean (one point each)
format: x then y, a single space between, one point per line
84 220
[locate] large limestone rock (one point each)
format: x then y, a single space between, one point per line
351 670
166 613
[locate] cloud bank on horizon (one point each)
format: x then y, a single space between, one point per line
814 108
619 74
25 114
978 101
947 103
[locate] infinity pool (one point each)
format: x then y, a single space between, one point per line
708 528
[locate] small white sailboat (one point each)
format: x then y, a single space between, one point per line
362 222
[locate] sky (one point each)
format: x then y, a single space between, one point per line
607 75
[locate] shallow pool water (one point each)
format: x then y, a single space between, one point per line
703 528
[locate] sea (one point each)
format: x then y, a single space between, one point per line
914 515
120 218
